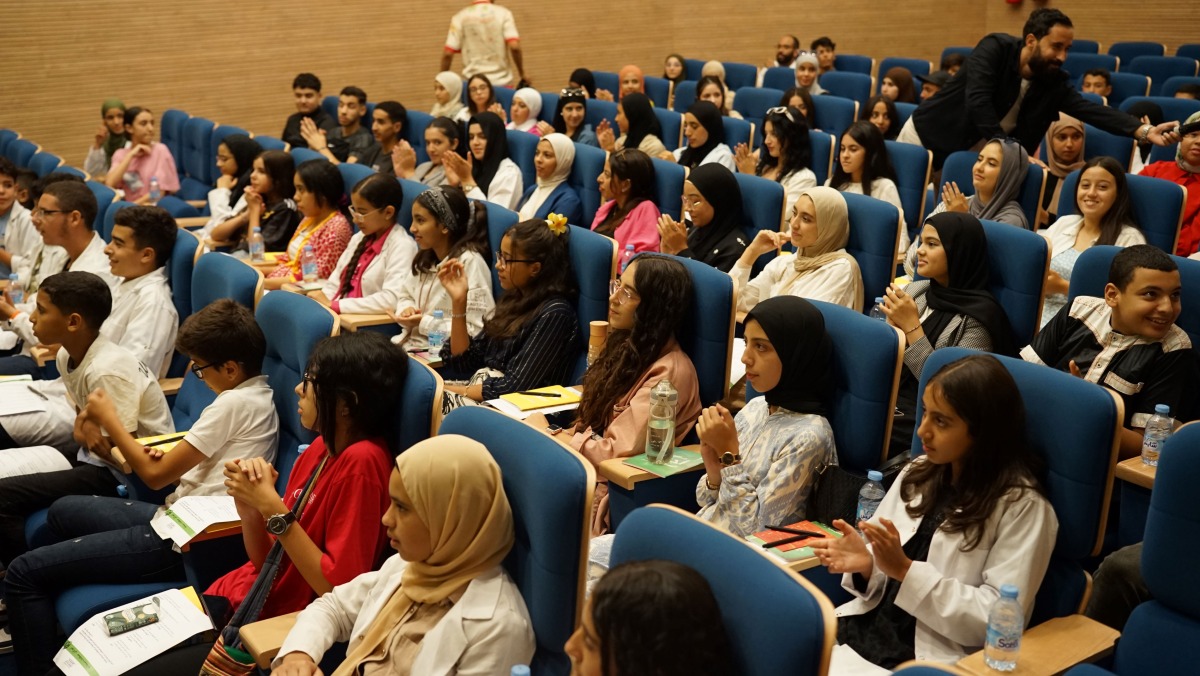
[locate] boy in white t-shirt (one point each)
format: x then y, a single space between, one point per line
110 540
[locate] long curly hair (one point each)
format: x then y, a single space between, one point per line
791 129
999 463
534 240
666 295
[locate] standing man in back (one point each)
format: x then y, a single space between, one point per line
484 33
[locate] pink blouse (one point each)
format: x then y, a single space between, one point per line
640 227
328 243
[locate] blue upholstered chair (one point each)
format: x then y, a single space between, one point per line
198 159
1158 634
1099 142
1160 68
1128 51
1157 204
965 51
834 113
302 155
917 67
414 132
776 621
737 131
70 171
21 151
1190 50
550 104
329 105
589 164
271 143
594 262
1085 46
657 88
105 196
913 165
522 146
597 110
707 331
411 190
668 187
607 80
854 63
853 86
1090 274
42 163
754 102
1078 63
777 77
351 175
170 129
823 145
550 491
672 126
1173 84
1126 85
692 68
504 96
499 220
7 136
1018 260
179 276
738 75
178 208
685 95
762 203
1074 426
958 168
903 112
108 216
874 236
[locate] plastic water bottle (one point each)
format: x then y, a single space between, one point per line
308 264
877 310
1006 621
869 496
16 289
519 670
660 428
258 247
1158 430
155 190
437 333
626 256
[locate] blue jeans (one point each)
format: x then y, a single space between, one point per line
107 541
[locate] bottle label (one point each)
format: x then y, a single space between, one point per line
1005 641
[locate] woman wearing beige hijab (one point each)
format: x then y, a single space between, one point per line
1064 154
447 93
442 604
820 270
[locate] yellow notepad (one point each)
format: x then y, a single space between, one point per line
527 402
163 442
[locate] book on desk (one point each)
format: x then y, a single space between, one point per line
792 551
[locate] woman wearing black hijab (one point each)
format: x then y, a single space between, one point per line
950 307
759 466
639 128
704 130
488 174
582 78
713 200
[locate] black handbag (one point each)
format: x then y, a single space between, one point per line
835 490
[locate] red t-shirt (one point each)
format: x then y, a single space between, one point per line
342 517
1189 229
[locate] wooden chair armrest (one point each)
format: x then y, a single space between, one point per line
170 386
44 354
215 244
355 322
191 222
1137 472
216 532
1054 646
3 284
626 476
264 638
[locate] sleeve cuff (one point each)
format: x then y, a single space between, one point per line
917 585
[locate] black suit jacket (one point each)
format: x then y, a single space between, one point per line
969 108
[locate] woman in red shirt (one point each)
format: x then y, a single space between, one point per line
1185 171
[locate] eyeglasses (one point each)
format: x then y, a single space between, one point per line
198 370
40 212
361 215
691 203
622 292
781 110
503 260
304 381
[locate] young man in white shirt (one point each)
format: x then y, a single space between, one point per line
484 33
112 540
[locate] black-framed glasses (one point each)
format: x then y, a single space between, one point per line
198 370
503 260
39 212
618 289
304 381
781 110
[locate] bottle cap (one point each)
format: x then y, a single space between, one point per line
301 449
1162 409
1009 591
13 277
875 475
438 314
878 300
629 247
519 670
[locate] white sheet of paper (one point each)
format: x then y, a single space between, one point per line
92 652
192 514
18 397
32 460
511 410
736 368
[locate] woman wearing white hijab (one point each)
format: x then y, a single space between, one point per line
447 91
552 194
526 105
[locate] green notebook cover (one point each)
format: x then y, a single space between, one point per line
681 461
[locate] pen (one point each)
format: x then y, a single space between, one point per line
540 394
171 439
785 541
44 397
796 531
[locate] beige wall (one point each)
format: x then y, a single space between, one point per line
233 61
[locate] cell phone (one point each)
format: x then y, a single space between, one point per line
128 619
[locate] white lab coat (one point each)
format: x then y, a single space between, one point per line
383 278
486 632
951 592
506 187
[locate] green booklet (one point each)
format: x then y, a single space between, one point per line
681 461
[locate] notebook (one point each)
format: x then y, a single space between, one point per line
525 402
793 550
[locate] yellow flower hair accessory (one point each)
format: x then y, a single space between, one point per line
557 223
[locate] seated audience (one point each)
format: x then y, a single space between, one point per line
142 160
1103 216
864 168
269 204
441 138
898 85
645 311
109 137
306 89
552 162
95 530
387 126
826 53
582 78
705 136
349 141
638 125
786 52
785 156
933 83
319 191
20 238
526 106
568 118
628 214
639 606
881 112
673 69
1064 154
481 98
447 95
712 89
1127 341
807 69
487 173
1188 91
819 270
1096 81
532 339
950 307
1185 171
712 201
760 466
969 514
446 226
631 82
235 162
952 62
26 179
802 101
443 603
376 262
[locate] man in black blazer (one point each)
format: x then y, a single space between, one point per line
1014 87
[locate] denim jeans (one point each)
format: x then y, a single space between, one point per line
106 541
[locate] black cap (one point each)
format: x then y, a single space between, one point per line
937 78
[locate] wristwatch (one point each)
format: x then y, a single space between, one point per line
278 524
728 458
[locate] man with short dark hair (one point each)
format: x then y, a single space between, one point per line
826 53
306 88
786 52
1097 81
350 140
387 124
1015 87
